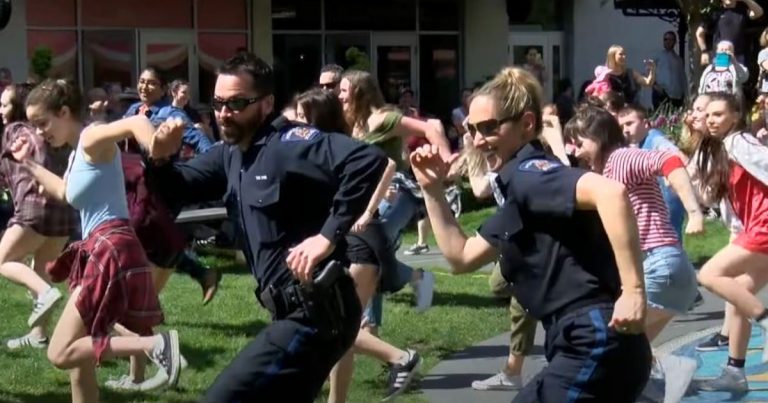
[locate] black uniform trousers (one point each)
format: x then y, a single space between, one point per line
589 362
290 359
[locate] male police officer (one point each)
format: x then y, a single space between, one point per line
581 277
266 170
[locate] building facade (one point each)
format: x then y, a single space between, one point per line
435 47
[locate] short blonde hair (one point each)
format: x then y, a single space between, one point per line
610 56
516 91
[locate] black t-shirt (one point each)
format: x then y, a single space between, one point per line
553 254
728 24
624 84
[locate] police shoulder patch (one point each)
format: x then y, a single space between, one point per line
300 133
539 165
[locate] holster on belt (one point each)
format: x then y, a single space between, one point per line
322 300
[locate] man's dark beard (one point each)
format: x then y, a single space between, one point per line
237 132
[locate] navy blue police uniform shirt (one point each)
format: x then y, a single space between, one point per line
293 182
554 255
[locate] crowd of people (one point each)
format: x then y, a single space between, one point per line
593 204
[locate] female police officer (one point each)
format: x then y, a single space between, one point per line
568 242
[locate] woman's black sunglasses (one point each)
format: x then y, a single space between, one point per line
234 104
488 127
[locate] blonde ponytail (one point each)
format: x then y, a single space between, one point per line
517 91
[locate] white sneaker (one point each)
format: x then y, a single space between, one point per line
500 381
26 341
424 290
166 355
160 379
678 373
44 304
126 383
123 384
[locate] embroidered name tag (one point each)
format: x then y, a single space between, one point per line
539 165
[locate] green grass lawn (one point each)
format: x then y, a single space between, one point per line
463 314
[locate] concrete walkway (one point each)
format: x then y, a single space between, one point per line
450 380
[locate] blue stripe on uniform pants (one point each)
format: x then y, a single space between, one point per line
276 366
601 339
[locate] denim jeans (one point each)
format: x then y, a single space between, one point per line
394 217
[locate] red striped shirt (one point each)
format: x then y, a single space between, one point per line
638 169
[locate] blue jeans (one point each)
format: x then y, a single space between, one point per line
394 217
670 281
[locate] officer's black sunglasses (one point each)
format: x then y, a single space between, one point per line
234 104
489 127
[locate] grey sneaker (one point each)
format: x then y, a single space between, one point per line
730 380
678 373
500 381
764 325
43 305
424 290
417 249
166 355
26 341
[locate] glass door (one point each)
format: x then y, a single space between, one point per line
173 53
541 53
395 64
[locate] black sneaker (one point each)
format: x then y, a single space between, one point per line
401 375
714 343
168 357
699 301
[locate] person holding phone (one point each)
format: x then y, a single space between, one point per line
725 74
727 24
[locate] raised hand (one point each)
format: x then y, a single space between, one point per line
429 167
21 149
166 140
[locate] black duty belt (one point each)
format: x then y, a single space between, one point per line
282 301
551 319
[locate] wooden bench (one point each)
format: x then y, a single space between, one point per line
202 215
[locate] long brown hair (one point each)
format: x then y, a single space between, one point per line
365 96
598 125
323 110
19 93
712 162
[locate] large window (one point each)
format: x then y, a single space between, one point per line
439 15
109 56
166 14
52 53
350 51
296 14
297 64
222 14
51 13
439 68
356 15
213 50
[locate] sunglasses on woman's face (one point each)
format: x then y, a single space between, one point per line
488 127
234 104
